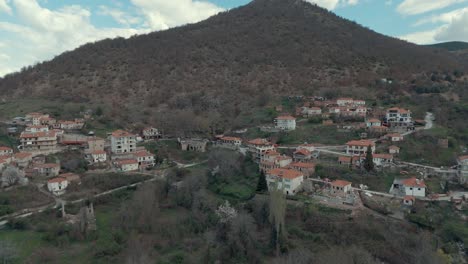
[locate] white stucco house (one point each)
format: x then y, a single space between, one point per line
414 187
285 122
286 179
359 147
57 185
123 142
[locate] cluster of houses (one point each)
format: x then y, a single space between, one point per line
44 135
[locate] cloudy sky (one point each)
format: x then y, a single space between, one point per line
37 30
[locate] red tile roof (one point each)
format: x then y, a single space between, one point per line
462 158
57 179
38 134
286 117
231 138
5 149
374 120
414 182
259 141
400 110
23 155
143 153
409 198
340 183
361 143
383 156
344 159
303 152
98 152
396 147
122 133
127 162
285 173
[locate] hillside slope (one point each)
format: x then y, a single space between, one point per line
219 68
451 46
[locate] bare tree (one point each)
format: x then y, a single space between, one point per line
11 176
277 217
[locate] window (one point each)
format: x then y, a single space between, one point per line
411 189
419 189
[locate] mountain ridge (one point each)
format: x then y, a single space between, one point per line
220 66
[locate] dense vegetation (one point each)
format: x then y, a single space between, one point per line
451 46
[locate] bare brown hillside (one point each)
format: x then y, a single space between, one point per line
210 72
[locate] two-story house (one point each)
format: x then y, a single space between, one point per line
359 147
285 179
123 142
285 122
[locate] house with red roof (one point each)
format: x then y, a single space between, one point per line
231 142
47 169
340 188
394 137
359 147
5 151
38 141
123 142
22 159
259 148
414 187
409 200
286 179
307 168
285 122
98 156
399 119
302 155
57 186
126 165
145 158
394 149
373 122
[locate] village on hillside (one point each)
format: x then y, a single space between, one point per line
340 153
296 169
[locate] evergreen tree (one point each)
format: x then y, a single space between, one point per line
446 187
369 161
262 184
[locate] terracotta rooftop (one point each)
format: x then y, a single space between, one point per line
38 134
361 143
302 151
382 156
56 180
127 162
344 159
23 155
122 133
143 153
409 198
462 158
340 183
5 149
399 110
259 141
98 152
373 120
396 147
414 182
286 117
285 173
231 138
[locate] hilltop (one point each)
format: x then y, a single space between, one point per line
208 74
451 46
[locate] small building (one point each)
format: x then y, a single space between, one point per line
302 155
382 159
145 158
395 137
36 128
123 142
259 147
47 169
414 187
194 144
359 147
233 142
76 124
373 122
378 129
285 122
394 149
5 151
94 144
409 200
399 119
344 101
38 141
127 165
272 161
71 177
340 188
22 159
285 179
308 169
151 133
57 185
98 156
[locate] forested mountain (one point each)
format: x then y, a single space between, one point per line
451 46
213 71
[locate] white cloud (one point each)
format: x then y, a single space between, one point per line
454 28
121 17
41 33
164 14
442 18
4 7
415 7
332 4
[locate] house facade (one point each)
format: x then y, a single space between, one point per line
47 169
46 141
6 151
394 149
145 159
123 142
127 165
98 156
414 187
57 185
285 179
308 169
399 119
359 147
340 188
151 133
259 147
373 122
285 122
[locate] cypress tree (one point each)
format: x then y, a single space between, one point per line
262 184
369 161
